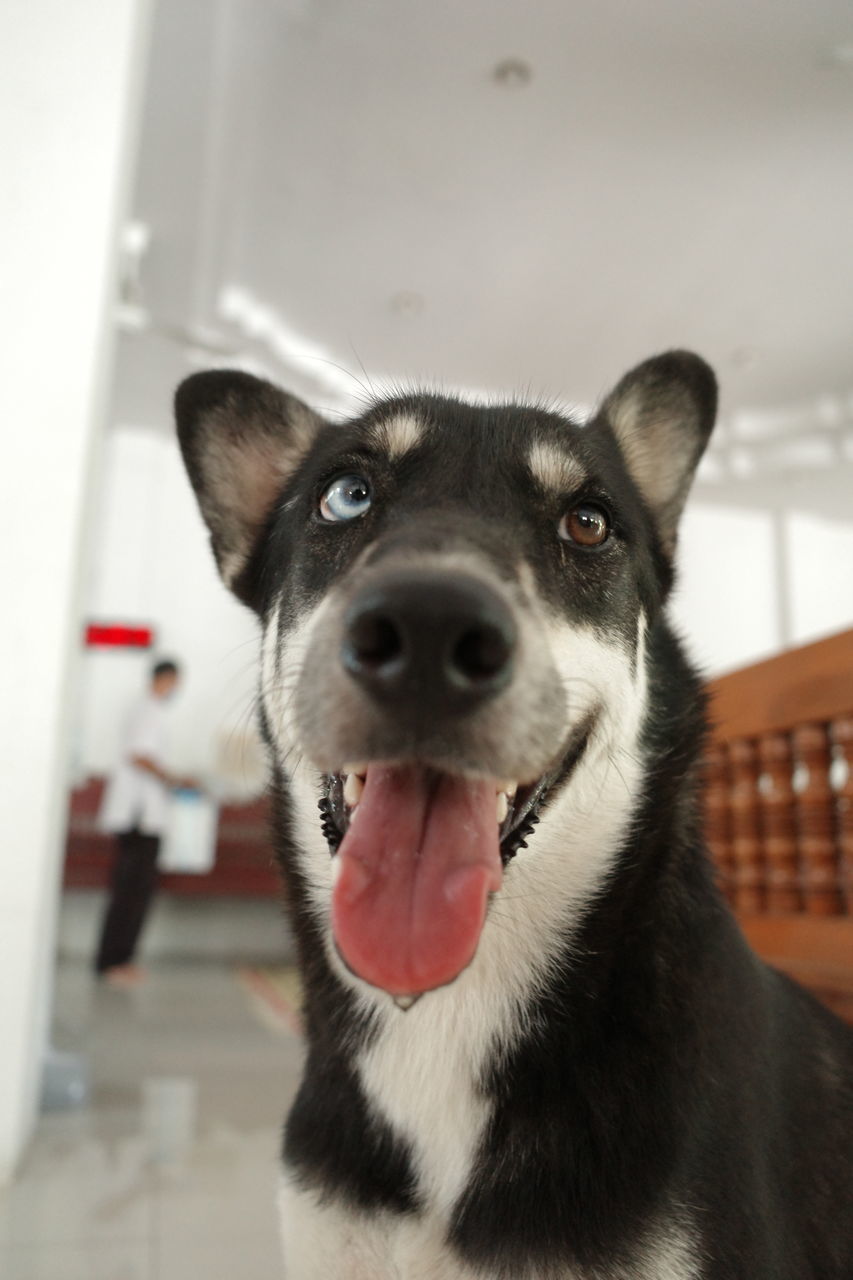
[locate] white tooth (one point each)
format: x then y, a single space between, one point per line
509 788
501 806
353 788
359 769
405 1002
337 863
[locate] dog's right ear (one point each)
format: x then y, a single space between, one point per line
662 414
240 438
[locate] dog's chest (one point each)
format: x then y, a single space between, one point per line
423 1076
324 1239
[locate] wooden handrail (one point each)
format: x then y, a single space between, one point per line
812 684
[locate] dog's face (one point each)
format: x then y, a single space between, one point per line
454 600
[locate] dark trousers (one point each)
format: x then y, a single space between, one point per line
134 878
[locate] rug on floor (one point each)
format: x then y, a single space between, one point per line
275 995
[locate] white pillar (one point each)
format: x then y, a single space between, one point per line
69 95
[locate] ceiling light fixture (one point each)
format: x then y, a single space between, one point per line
407 302
744 357
839 56
512 73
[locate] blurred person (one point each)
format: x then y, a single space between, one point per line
135 809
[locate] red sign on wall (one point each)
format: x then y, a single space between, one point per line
113 635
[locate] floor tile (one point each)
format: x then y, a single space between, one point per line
246 1257
67 1207
228 1188
171 1170
70 1262
5 1222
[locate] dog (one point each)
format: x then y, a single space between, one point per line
538 1047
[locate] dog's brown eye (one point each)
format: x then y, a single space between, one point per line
586 525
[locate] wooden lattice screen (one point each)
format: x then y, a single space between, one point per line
779 809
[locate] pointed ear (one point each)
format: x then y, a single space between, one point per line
241 438
662 413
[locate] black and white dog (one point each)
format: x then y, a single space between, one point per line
538 1046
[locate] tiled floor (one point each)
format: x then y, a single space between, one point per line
170 1173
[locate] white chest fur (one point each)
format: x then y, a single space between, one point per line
423 1074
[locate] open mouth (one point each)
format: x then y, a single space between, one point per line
516 808
418 854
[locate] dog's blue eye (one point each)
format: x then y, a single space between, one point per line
346 498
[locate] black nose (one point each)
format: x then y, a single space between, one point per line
440 641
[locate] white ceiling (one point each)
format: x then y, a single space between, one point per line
362 192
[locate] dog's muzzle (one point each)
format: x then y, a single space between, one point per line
422 830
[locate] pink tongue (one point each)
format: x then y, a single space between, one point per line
416 867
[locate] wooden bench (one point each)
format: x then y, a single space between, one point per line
779 810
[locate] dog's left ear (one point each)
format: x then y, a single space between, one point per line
662 413
241 438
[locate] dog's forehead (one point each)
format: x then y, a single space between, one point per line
483 438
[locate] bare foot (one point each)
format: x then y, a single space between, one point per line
124 975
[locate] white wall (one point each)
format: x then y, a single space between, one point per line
726 598
151 563
819 551
752 581
68 99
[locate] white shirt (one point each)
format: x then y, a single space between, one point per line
134 797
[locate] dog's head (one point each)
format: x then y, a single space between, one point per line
454 601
